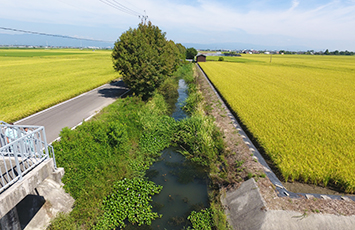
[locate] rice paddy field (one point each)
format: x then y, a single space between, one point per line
35 79
300 109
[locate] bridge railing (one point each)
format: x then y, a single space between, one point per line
22 148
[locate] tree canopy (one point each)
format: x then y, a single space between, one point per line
145 58
191 53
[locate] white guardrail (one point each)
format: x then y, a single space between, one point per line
22 148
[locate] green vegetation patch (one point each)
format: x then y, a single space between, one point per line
105 161
129 200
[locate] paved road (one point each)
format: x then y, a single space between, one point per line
70 113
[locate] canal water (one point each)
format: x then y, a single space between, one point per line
184 183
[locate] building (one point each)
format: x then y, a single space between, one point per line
201 58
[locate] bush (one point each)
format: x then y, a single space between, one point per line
221 59
191 53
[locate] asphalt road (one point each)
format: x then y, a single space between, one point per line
70 113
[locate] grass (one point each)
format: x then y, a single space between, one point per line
118 143
300 109
32 80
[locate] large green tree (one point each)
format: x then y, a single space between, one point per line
191 53
182 50
145 58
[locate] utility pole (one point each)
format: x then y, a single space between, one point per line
144 18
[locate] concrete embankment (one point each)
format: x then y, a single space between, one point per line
246 209
34 201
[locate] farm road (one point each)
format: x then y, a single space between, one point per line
70 113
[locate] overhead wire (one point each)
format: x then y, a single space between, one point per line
126 7
134 7
52 35
118 6
112 3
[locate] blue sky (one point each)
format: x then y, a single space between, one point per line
314 24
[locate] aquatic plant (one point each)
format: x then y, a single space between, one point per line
130 200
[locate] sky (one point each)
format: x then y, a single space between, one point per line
287 24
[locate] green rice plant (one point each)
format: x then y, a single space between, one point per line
300 109
32 80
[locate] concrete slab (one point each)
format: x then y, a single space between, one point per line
280 220
246 209
57 201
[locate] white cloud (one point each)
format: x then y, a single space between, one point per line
296 19
329 21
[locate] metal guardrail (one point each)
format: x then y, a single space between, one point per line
22 148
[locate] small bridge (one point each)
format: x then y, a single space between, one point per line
26 159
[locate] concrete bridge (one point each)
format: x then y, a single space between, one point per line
26 161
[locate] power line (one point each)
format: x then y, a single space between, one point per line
126 7
53 35
134 7
120 8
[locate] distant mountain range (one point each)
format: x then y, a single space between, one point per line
242 46
37 40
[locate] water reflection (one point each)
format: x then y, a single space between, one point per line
184 189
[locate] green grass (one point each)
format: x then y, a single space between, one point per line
301 110
32 80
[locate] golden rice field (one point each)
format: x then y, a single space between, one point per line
32 80
301 110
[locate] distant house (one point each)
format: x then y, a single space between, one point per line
201 58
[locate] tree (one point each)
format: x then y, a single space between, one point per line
191 53
326 52
145 58
182 50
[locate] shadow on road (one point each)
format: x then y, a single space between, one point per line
112 92
119 83
118 88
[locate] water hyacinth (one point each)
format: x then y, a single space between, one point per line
136 193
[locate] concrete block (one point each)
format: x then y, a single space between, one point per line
14 194
291 220
57 201
245 208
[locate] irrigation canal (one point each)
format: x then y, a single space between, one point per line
184 183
